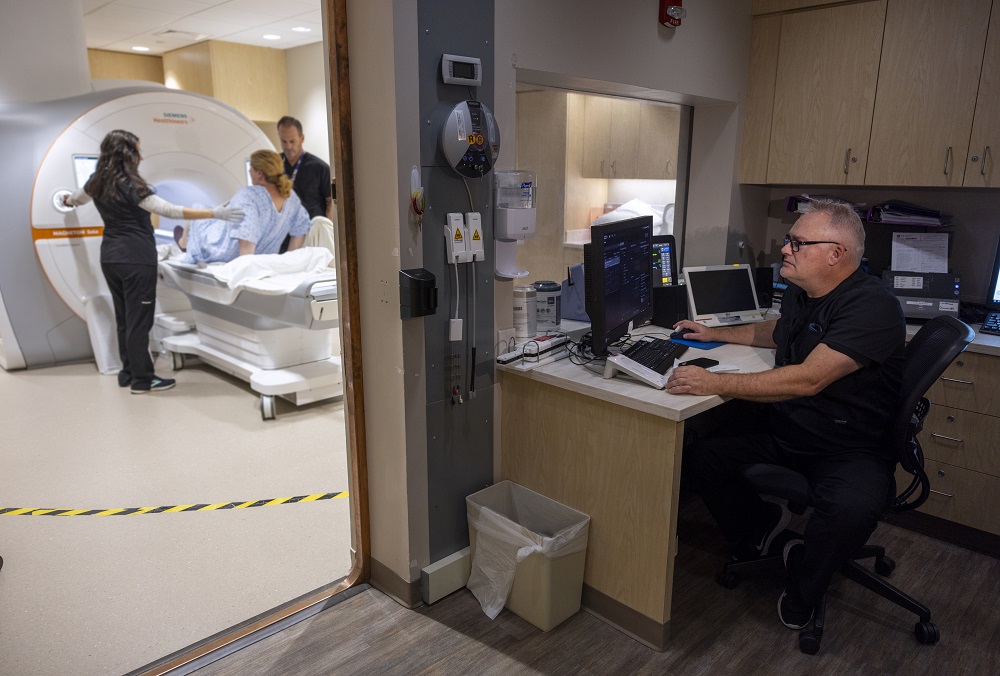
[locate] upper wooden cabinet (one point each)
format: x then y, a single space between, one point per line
827 68
981 170
932 56
629 139
883 92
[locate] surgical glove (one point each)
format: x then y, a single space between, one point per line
228 213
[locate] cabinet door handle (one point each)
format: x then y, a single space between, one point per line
986 155
947 495
614 172
956 380
847 159
947 160
941 436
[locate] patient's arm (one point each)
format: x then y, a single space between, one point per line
247 248
296 242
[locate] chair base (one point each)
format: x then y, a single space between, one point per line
810 637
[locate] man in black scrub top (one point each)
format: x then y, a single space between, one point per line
825 410
310 175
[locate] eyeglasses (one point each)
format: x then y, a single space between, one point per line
797 244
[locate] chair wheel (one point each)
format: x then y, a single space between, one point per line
808 642
728 580
926 633
885 566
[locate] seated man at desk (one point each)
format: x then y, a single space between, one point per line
827 407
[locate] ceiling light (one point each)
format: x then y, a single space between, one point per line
139 48
271 36
301 29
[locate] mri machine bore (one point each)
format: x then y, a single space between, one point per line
55 307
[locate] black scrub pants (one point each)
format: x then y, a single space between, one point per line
849 490
133 291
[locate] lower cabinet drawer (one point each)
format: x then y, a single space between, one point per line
962 439
960 495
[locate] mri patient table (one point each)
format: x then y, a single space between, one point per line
284 341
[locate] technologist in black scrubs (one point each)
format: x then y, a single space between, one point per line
128 250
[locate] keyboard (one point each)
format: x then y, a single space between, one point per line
991 324
655 354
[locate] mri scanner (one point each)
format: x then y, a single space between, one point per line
55 307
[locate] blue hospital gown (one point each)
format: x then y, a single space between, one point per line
214 241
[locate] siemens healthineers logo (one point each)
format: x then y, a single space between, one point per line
174 118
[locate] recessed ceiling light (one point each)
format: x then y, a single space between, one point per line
301 29
139 48
271 36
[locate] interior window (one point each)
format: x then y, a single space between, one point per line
596 158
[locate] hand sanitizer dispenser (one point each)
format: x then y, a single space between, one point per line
514 218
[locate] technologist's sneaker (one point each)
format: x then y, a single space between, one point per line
792 612
155 385
760 544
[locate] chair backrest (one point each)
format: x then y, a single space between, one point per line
927 355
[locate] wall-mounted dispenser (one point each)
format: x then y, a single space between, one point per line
514 218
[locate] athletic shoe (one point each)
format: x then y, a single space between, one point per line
792 612
155 385
124 379
760 543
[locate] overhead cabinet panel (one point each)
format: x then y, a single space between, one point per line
828 64
982 170
932 55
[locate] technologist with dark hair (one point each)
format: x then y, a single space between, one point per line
826 410
128 250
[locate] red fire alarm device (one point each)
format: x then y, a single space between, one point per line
671 13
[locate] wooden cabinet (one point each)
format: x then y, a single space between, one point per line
927 84
959 443
628 139
884 92
827 68
981 170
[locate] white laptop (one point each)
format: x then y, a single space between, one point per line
722 295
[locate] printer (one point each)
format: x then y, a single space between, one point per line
925 295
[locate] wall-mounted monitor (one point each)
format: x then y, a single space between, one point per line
618 279
722 295
83 167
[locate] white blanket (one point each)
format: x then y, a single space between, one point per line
240 271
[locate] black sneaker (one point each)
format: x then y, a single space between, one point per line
760 544
792 612
155 385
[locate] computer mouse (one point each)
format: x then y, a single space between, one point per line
680 333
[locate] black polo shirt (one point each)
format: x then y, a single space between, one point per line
128 229
311 182
862 319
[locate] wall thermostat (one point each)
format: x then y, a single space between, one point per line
470 139
461 70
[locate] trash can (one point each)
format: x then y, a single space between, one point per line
528 553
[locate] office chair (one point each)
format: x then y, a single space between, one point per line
927 355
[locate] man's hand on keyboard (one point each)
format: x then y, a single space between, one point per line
691 380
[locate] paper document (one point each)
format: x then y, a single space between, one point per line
920 251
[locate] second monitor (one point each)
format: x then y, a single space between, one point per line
722 295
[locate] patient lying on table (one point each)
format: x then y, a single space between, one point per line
272 211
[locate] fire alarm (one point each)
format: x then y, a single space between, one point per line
671 13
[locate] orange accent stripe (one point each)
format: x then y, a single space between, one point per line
66 233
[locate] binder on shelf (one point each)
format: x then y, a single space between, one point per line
895 212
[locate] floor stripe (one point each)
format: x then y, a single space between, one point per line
172 509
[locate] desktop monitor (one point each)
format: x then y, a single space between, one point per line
722 295
993 291
664 261
618 279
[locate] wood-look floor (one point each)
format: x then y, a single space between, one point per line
715 631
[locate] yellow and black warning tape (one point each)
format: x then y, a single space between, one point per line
165 509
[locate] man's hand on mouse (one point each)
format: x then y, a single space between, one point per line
688 330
